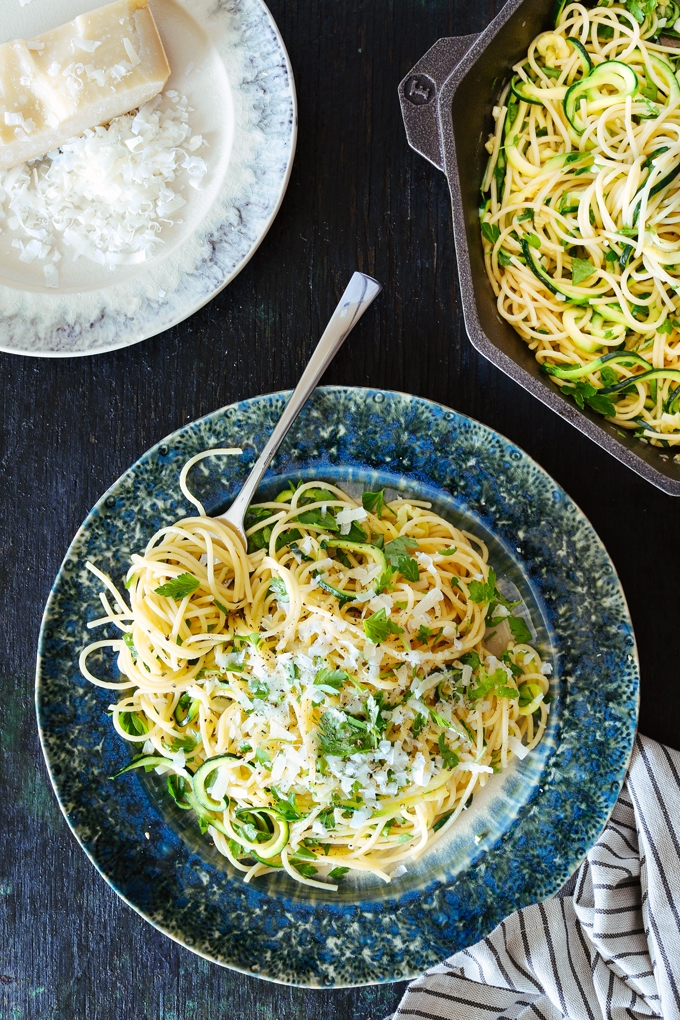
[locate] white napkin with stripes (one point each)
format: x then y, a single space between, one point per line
607 947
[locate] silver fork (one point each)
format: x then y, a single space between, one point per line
360 292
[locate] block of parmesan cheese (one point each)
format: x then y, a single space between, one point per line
85 73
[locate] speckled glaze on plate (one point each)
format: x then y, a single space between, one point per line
228 59
521 838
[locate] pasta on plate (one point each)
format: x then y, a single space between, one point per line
328 700
581 210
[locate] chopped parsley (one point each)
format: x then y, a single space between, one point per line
343 737
486 591
258 688
133 723
491 232
449 756
306 870
374 502
286 805
441 821
330 681
581 269
378 628
519 629
319 519
338 872
583 393
178 588
419 724
277 586
398 555
494 683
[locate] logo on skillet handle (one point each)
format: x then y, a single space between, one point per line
420 89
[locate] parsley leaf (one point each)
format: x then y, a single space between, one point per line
298 553
491 232
129 641
384 582
636 10
449 756
514 668
584 393
343 737
401 546
439 720
397 554
503 258
486 591
338 872
262 758
495 683
277 586
519 629
374 502
260 540
441 821
665 327
408 568
330 680
471 659
581 269
286 805
258 688
418 724
306 870
377 627
133 723
482 591
318 519
528 214
178 588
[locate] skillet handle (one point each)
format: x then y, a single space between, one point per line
419 92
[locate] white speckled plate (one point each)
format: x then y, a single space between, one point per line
228 59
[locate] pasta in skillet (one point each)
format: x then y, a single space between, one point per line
581 211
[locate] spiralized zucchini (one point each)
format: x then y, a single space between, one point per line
328 701
581 213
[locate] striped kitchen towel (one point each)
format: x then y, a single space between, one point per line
607 947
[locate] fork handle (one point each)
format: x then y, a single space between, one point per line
360 292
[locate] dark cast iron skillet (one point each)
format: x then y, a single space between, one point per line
446 102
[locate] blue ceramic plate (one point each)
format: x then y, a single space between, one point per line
519 841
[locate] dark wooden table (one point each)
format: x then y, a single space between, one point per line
358 198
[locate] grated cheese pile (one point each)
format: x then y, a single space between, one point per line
107 194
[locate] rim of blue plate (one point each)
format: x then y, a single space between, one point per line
549 812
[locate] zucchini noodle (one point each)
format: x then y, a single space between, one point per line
328 701
581 210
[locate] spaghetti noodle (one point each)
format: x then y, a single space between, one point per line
327 701
581 213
